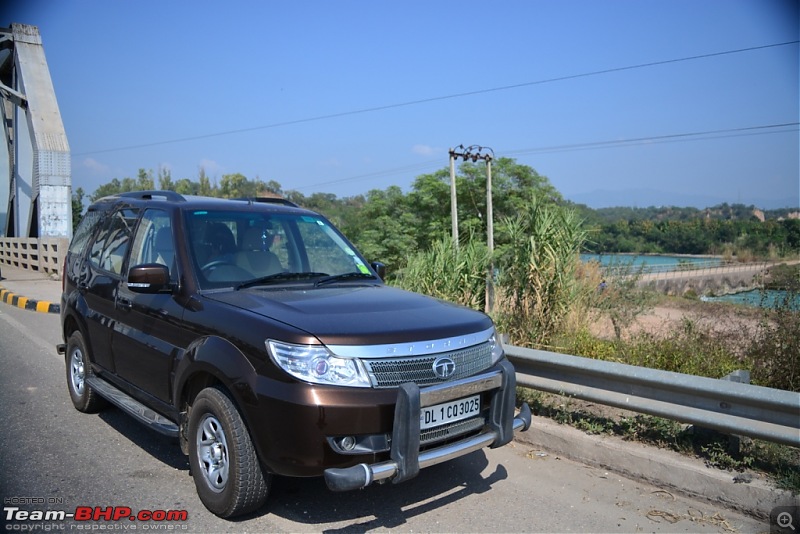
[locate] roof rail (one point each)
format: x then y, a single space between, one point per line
151 195
269 200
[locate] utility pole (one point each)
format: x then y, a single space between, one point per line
489 236
474 153
453 198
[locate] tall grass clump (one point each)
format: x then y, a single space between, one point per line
455 274
775 347
537 286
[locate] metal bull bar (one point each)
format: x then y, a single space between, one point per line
405 457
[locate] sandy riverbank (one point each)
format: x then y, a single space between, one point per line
670 314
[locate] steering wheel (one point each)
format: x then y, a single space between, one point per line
216 263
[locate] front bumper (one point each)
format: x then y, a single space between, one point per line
405 457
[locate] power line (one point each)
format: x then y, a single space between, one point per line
617 143
688 136
434 99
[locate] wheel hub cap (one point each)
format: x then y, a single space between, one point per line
212 452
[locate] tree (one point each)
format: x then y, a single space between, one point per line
165 180
184 186
114 187
234 186
429 202
204 188
273 187
144 181
77 207
386 229
620 298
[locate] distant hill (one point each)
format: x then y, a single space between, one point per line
720 212
642 198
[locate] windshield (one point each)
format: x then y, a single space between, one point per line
236 248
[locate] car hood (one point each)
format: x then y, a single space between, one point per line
358 314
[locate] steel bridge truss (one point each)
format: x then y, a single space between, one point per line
35 182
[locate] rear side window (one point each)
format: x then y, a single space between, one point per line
84 231
108 250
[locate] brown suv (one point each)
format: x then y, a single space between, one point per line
255 333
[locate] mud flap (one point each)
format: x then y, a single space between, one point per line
405 434
501 415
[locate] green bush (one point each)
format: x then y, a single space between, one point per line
456 274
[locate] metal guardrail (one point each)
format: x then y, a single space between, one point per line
730 407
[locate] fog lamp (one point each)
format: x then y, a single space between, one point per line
348 443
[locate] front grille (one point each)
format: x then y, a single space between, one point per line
391 372
443 432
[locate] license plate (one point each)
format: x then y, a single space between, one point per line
449 412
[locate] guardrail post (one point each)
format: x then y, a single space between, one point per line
740 376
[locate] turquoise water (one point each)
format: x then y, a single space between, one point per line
656 263
651 262
770 298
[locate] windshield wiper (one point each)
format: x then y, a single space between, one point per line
341 277
279 277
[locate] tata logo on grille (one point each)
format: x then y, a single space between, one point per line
444 368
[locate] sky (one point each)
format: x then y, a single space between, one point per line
616 102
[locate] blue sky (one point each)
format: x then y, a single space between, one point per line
282 90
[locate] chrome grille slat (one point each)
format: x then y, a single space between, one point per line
440 433
391 372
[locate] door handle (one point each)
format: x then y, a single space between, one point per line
124 303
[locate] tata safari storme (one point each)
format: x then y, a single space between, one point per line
256 334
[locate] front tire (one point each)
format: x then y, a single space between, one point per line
84 398
224 464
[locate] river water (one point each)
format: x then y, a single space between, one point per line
652 262
770 298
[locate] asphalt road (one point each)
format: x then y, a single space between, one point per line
53 458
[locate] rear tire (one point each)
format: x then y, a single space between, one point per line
224 464
84 398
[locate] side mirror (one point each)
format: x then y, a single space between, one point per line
379 268
148 278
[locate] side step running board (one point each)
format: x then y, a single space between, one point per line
128 404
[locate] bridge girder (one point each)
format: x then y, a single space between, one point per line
37 177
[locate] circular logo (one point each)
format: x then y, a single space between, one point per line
444 367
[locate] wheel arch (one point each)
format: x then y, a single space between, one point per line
210 361
213 362
74 319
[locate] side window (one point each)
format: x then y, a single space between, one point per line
153 242
108 250
84 231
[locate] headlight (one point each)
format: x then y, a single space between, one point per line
497 347
315 363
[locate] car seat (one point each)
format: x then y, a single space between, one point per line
218 244
255 255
